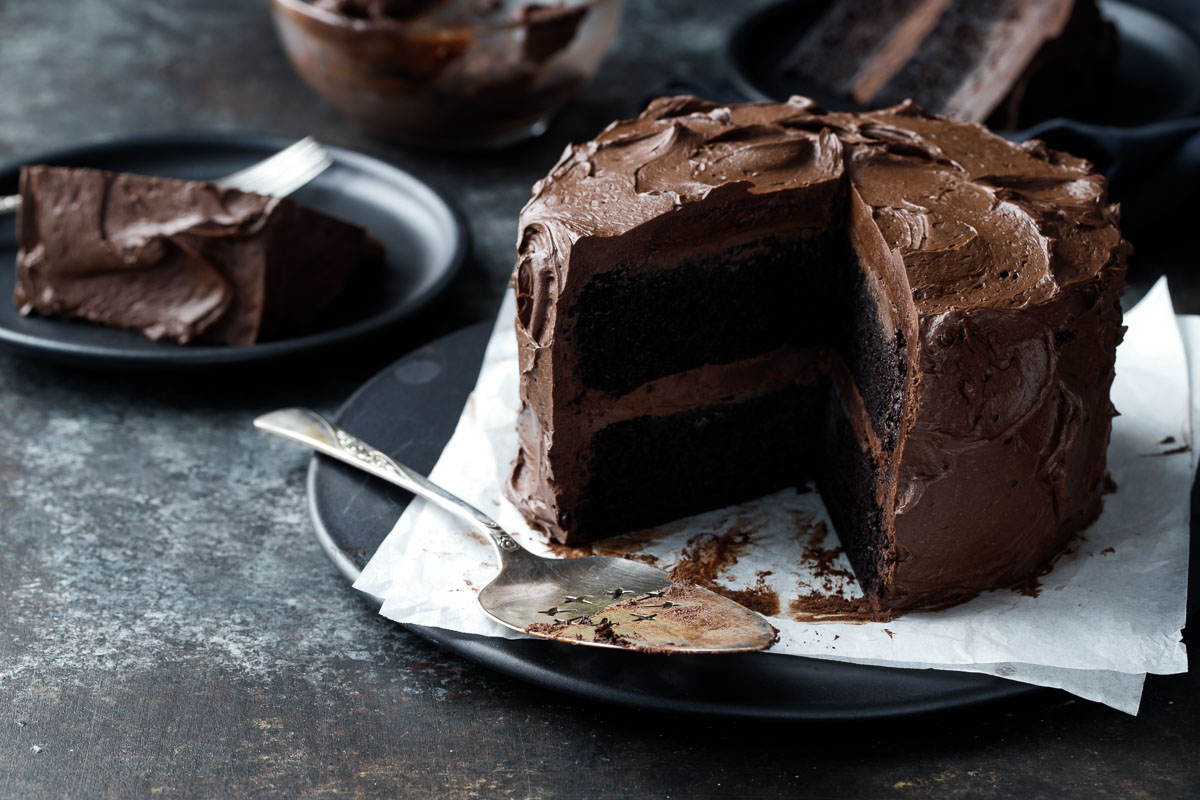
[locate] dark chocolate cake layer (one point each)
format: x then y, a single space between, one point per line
933 308
178 260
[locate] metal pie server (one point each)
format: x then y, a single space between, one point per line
598 600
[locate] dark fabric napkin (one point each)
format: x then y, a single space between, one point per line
1154 170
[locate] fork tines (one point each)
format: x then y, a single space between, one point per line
284 172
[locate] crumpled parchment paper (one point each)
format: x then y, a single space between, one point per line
1107 614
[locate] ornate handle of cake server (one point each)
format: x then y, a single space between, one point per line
311 429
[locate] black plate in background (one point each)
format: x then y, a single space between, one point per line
425 240
410 410
1157 72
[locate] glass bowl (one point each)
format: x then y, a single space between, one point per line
465 74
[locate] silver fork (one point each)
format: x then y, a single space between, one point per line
278 175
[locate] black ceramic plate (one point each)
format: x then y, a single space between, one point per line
410 410
426 243
1156 76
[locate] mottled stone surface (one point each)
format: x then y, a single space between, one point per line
168 625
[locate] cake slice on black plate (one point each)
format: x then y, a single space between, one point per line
185 261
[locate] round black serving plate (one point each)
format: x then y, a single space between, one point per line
425 240
1157 73
410 410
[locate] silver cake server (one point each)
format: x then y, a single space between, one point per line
598 600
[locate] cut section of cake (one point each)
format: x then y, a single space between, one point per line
716 302
1007 62
178 260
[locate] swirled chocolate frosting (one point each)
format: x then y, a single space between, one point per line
987 272
177 260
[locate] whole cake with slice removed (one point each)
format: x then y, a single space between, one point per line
717 302
187 261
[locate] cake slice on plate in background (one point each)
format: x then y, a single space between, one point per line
1009 63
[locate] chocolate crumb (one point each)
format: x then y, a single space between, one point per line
1031 586
760 597
606 632
1173 451
707 555
823 558
1107 551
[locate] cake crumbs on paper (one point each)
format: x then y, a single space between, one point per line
889 633
1183 448
759 597
834 579
707 555
824 599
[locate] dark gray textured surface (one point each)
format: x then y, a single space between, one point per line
169 627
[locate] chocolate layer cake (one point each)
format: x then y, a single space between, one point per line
178 260
717 302
1008 62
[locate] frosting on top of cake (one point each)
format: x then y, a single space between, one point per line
979 221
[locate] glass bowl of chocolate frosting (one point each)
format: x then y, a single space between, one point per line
448 73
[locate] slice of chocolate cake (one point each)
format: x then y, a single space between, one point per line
1008 62
717 302
186 261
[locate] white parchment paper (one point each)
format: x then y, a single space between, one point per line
1104 617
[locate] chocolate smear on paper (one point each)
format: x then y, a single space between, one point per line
813 606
